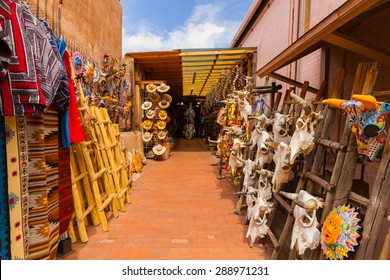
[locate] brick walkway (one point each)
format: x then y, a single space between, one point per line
180 210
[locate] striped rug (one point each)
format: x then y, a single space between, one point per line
17 170
43 185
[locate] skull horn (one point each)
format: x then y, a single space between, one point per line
303 102
369 101
239 158
291 196
213 141
334 102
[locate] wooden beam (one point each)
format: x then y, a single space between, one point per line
292 82
146 82
359 47
345 13
219 52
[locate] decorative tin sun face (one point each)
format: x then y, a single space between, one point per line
340 232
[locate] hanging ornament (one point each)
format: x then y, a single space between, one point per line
78 63
340 232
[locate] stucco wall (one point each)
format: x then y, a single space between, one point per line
90 26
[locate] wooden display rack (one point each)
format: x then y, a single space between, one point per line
338 189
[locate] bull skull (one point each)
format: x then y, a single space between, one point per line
282 173
244 108
305 233
263 153
302 141
258 220
281 127
264 188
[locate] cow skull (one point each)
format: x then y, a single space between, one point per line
264 188
258 220
244 108
305 233
263 153
302 141
281 127
282 173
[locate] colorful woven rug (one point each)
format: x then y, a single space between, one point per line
65 191
43 185
15 132
5 253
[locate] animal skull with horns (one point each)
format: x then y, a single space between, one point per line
305 233
302 140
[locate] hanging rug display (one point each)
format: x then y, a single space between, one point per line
340 232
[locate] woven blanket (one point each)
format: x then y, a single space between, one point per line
43 185
17 169
5 253
20 93
65 191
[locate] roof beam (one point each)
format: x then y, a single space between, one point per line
309 41
359 47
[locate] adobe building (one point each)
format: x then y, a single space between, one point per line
92 27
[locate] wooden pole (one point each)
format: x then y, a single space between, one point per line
376 210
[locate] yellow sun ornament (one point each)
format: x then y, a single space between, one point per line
340 232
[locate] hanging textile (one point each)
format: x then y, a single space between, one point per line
17 161
75 127
43 185
5 253
65 190
20 93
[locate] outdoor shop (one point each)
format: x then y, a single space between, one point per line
296 186
61 151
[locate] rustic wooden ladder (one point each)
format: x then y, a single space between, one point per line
311 168
91 154
83 201
338 189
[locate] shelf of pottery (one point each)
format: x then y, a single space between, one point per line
155 118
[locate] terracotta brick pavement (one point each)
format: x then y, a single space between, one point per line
179 211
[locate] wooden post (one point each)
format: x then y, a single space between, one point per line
376 210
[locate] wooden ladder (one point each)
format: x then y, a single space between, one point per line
338 189
83 200
310 169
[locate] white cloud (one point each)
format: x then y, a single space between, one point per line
204 29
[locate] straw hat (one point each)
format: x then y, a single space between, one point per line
164 104
147 124
150 114
166 97
162 114
161 125
147 136
159 149
154 96
151 88
146 105
163 88
162 134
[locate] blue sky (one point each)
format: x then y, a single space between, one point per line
158 25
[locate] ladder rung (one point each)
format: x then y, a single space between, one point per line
331 144
359 199
323 183
273 238
283 203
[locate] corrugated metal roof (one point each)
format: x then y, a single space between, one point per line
189 72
